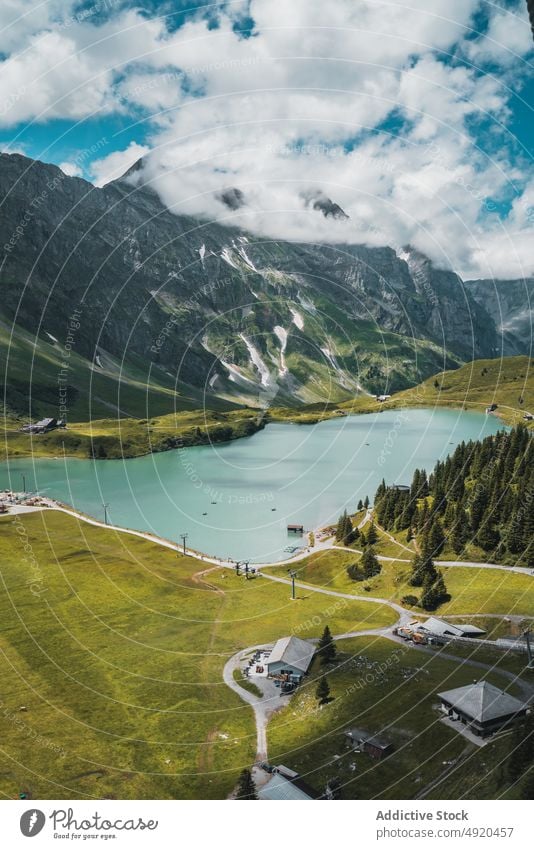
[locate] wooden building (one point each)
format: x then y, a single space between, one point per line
376 747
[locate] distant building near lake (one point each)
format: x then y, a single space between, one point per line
43 426
382 398
483 708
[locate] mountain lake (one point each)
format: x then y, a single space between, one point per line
236 499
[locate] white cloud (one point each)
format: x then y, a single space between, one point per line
116 164
64 65
71 169
304 104
507 38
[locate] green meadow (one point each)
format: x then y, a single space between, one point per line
112 651
389 690
472 590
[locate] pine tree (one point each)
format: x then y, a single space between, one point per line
487 537
369 563
434 592
344 529
436 538
360 505
322 692
340 528
372 536
355 572
366 502
417 576
327 647
514 535
246 789
478 507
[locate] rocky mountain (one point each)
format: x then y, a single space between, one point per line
211 312
510 304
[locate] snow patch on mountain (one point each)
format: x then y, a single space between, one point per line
227 257
265 375
247 259
297 319
234 374
281 333
307 304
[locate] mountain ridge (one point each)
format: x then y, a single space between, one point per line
230 315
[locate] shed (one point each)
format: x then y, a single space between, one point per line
295 529
373 745
292 656
482 707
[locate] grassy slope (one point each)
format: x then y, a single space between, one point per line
473 591
476 385
397 701
115 648
131 437
31 366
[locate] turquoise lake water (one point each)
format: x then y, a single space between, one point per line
283 474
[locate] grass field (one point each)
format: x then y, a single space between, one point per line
112 650
472 590
387 690
117 438
507 382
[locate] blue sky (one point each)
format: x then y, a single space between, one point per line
416 118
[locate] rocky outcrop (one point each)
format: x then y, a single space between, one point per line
510 304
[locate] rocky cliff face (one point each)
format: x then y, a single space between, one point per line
510 304
237 316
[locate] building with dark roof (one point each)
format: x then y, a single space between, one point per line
373 745
482 707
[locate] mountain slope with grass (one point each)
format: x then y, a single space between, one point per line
507 382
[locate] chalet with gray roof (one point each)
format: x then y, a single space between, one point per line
482 707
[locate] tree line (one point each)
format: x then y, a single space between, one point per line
482 494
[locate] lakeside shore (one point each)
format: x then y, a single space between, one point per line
115 442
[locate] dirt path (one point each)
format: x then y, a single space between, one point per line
198 578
